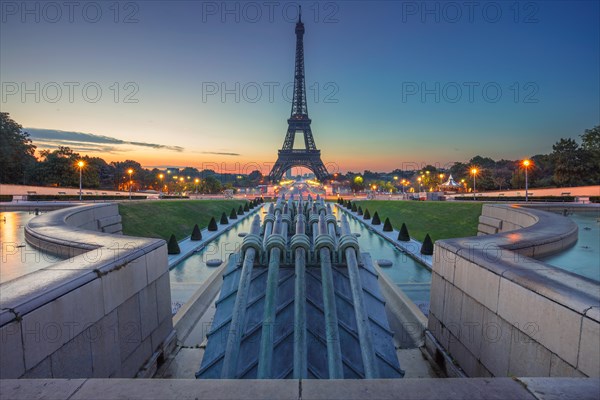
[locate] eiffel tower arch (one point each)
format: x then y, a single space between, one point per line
310 156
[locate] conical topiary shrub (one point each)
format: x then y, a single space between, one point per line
196 234
349 205
387 225
376 220
354 207
212 225
224 220
246 207
427 248
403 236
233 214
367 215
340 200
173 246
240 210
360 210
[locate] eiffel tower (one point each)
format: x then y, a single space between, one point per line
310 156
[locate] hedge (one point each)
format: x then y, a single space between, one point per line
173 197
212 225
59 197
427 247
547 199
6 198
196 234
173 246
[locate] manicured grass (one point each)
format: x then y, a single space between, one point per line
159 219
442 220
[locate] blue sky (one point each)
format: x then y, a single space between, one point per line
390 84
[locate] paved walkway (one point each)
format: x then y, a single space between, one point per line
412 248
291 389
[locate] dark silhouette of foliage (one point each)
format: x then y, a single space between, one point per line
173 246
427 247
376 220
212 225
403 235
387 225
224 220
196 234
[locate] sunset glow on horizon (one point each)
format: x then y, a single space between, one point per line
182 84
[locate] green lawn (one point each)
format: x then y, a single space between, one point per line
161 218
442 220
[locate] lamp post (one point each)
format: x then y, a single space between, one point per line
196 181
80 164
526 164
419 179
474 172
160 179
130 172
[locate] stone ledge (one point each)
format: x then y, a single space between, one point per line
82 291
287 389
507 254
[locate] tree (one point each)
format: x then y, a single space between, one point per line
387 225
566 156
357 183
173 246
427 247
212 225
224 220
210 185
590 155
376 220
58 168
196 233
403 235
121 176
16 151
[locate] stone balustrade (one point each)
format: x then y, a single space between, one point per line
499 312
103 312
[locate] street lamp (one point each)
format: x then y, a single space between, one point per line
474 172
419 179
526 164
130 172
196 181
160 178
80 164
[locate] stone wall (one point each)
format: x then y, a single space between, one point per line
103 312
499 312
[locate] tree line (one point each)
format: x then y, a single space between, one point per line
571 163
19 165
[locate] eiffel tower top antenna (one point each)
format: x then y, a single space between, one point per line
299 106
288 156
